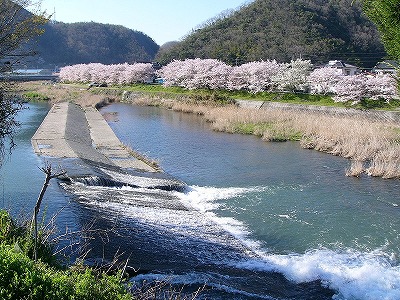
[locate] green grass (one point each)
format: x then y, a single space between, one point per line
23 278
274 134
379 104
35 97
225 96
228 96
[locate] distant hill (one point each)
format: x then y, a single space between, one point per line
65 44
319 30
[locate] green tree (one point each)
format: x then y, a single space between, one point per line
18 28
386 16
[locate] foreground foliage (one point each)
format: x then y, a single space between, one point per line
386 16
18 29
9 107
22 278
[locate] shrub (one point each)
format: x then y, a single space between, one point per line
22 278
20 237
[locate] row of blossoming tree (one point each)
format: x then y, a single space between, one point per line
110 74
254 77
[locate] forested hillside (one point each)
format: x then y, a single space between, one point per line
65 44
319 30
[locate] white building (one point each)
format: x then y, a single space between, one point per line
346 68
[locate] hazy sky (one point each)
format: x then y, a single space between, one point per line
162 20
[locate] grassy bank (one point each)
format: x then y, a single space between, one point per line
372 146
23 278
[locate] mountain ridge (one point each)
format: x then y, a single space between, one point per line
319 30
85 42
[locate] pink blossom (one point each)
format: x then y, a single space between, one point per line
323 80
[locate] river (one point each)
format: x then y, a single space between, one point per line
257 220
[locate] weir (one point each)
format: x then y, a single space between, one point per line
79 139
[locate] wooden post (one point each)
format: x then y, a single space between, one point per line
48 171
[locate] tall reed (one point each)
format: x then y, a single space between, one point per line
374 146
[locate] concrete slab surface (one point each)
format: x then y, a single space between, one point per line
69 131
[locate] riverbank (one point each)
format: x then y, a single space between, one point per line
372 144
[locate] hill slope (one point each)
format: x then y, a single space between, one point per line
65 44
319 30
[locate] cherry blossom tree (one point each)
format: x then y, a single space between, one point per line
139 72
381 86
99 72
293 75
196 73
254 77
358 87
350 89
110 74
323 80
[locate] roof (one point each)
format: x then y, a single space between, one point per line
339 64
388 64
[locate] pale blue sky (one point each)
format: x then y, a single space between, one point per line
162 20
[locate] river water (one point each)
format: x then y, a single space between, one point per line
256 221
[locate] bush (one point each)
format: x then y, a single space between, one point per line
20 236
23 278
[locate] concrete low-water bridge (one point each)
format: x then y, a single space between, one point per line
81 141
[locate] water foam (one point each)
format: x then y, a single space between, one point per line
353 274
204 200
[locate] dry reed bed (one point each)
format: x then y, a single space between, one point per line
372 146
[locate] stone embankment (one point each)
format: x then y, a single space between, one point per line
69 131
